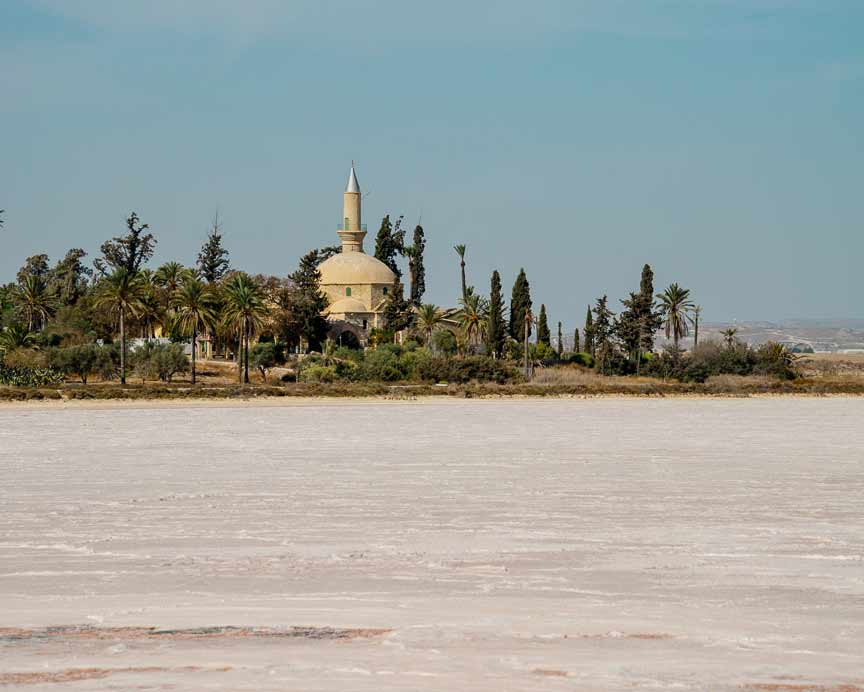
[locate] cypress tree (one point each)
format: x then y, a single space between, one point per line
543 335
520 303
496 333
576 340
560 341
416 266
650 317
589 332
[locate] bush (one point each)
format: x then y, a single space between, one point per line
586 360
444 341
711 359
262 357
318 374
463 370
83 361
29 377
158 361
381 365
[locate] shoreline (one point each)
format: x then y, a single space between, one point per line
359 400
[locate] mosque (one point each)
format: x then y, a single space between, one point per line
356 284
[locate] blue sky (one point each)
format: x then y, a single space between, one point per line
722 141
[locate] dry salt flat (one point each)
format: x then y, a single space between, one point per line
606 544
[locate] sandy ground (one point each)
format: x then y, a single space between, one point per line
601 544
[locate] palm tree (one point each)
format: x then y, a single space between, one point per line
729 336
675 304
460 250
472 317
150 311
245 311
195 310
428 317
34 302
16 336
696 313
169 277
122 293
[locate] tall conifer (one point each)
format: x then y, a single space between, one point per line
576 342
560 341
543 335
496 333
589 332
520 303
416 267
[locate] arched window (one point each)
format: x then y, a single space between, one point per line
385 290
348 291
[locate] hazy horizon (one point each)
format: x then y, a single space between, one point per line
719 141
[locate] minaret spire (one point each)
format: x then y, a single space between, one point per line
352 230
353 185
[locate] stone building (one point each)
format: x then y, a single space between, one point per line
356 284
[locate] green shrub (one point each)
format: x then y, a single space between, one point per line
157 361
444 341
317 374
85 360
584 359
263 357
381 365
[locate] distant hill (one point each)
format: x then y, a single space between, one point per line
821 335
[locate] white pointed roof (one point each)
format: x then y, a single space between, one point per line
353 185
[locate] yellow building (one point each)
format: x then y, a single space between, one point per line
356 284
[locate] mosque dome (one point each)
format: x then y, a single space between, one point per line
348 268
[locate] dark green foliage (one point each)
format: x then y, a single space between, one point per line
520 303
213 259
397 310
263 357
711 359
589 333
389 243
37 266
309 301
602 331
416 265
576 342
543 334
327 252
640 319
443 341
68 280
560 341
496 331
129 251
152 361
463 370
652 318
86 360
578 358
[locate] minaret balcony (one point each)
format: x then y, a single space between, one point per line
346 227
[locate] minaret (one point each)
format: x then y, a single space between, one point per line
352 231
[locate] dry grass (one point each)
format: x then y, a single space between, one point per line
79 674
66 632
